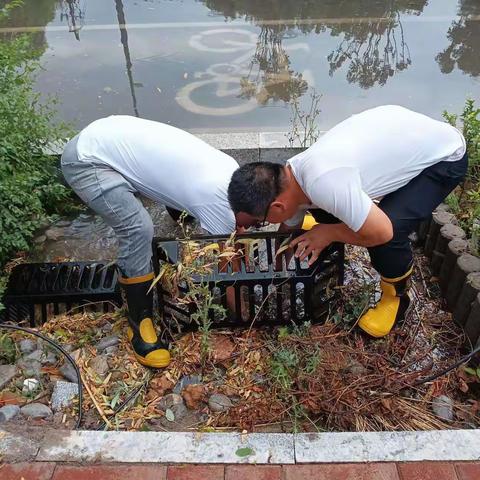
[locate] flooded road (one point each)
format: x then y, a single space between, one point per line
242 65
232 65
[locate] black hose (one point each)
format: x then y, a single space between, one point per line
443 372
67 356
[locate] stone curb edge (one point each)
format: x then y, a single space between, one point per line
237 448
225 141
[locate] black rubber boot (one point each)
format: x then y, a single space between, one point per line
148 349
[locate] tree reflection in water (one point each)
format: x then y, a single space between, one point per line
270 76
372 50
73 11
464 35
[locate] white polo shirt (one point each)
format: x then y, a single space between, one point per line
368 156
165 164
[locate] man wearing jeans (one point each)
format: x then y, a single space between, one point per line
405 160
116 158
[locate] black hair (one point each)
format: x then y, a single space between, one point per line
254 187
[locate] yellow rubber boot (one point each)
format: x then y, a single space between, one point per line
147 347
393 305
308 222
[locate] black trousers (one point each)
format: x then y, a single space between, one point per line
407 207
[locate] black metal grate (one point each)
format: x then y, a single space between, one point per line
268 290
37 290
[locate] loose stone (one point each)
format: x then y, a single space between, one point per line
168 401
7 372
219 403
69 372
31 368
111 350
8 412
49 359
40 239
26 346
106 342
63 394
36 355
54 233
36 410
99 365
443 407
63 223
30 385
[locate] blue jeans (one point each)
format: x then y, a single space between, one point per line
113 197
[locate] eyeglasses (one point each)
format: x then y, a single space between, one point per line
264 222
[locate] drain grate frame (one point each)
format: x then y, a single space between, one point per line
268 290
37 290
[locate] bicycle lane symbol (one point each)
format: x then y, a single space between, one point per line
226 76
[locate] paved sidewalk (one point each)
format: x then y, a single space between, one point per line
372 471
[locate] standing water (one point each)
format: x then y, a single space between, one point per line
241 65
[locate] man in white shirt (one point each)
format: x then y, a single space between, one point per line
406 160
116 158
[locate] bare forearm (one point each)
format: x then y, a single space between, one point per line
376 230
339 232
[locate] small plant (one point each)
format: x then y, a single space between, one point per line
195 263
30 190
355 306
283 364
465 200
453 203
8 351
292 362
304 123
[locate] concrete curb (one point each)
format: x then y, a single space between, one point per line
169 447
236 448
225 141
351 447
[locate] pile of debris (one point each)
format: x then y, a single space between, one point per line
296 377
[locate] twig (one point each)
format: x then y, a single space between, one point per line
97 406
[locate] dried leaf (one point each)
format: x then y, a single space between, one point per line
215 247
281 250
463 386
227 255
160 385
165 268
193 395
221 347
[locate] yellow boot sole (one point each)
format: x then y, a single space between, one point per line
161 360
156 359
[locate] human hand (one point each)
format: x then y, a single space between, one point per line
311 242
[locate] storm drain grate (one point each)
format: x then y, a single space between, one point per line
37 290
268 290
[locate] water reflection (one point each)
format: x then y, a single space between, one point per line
372 48
270 76
198 60
25 16
122 25
464 35
73 12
